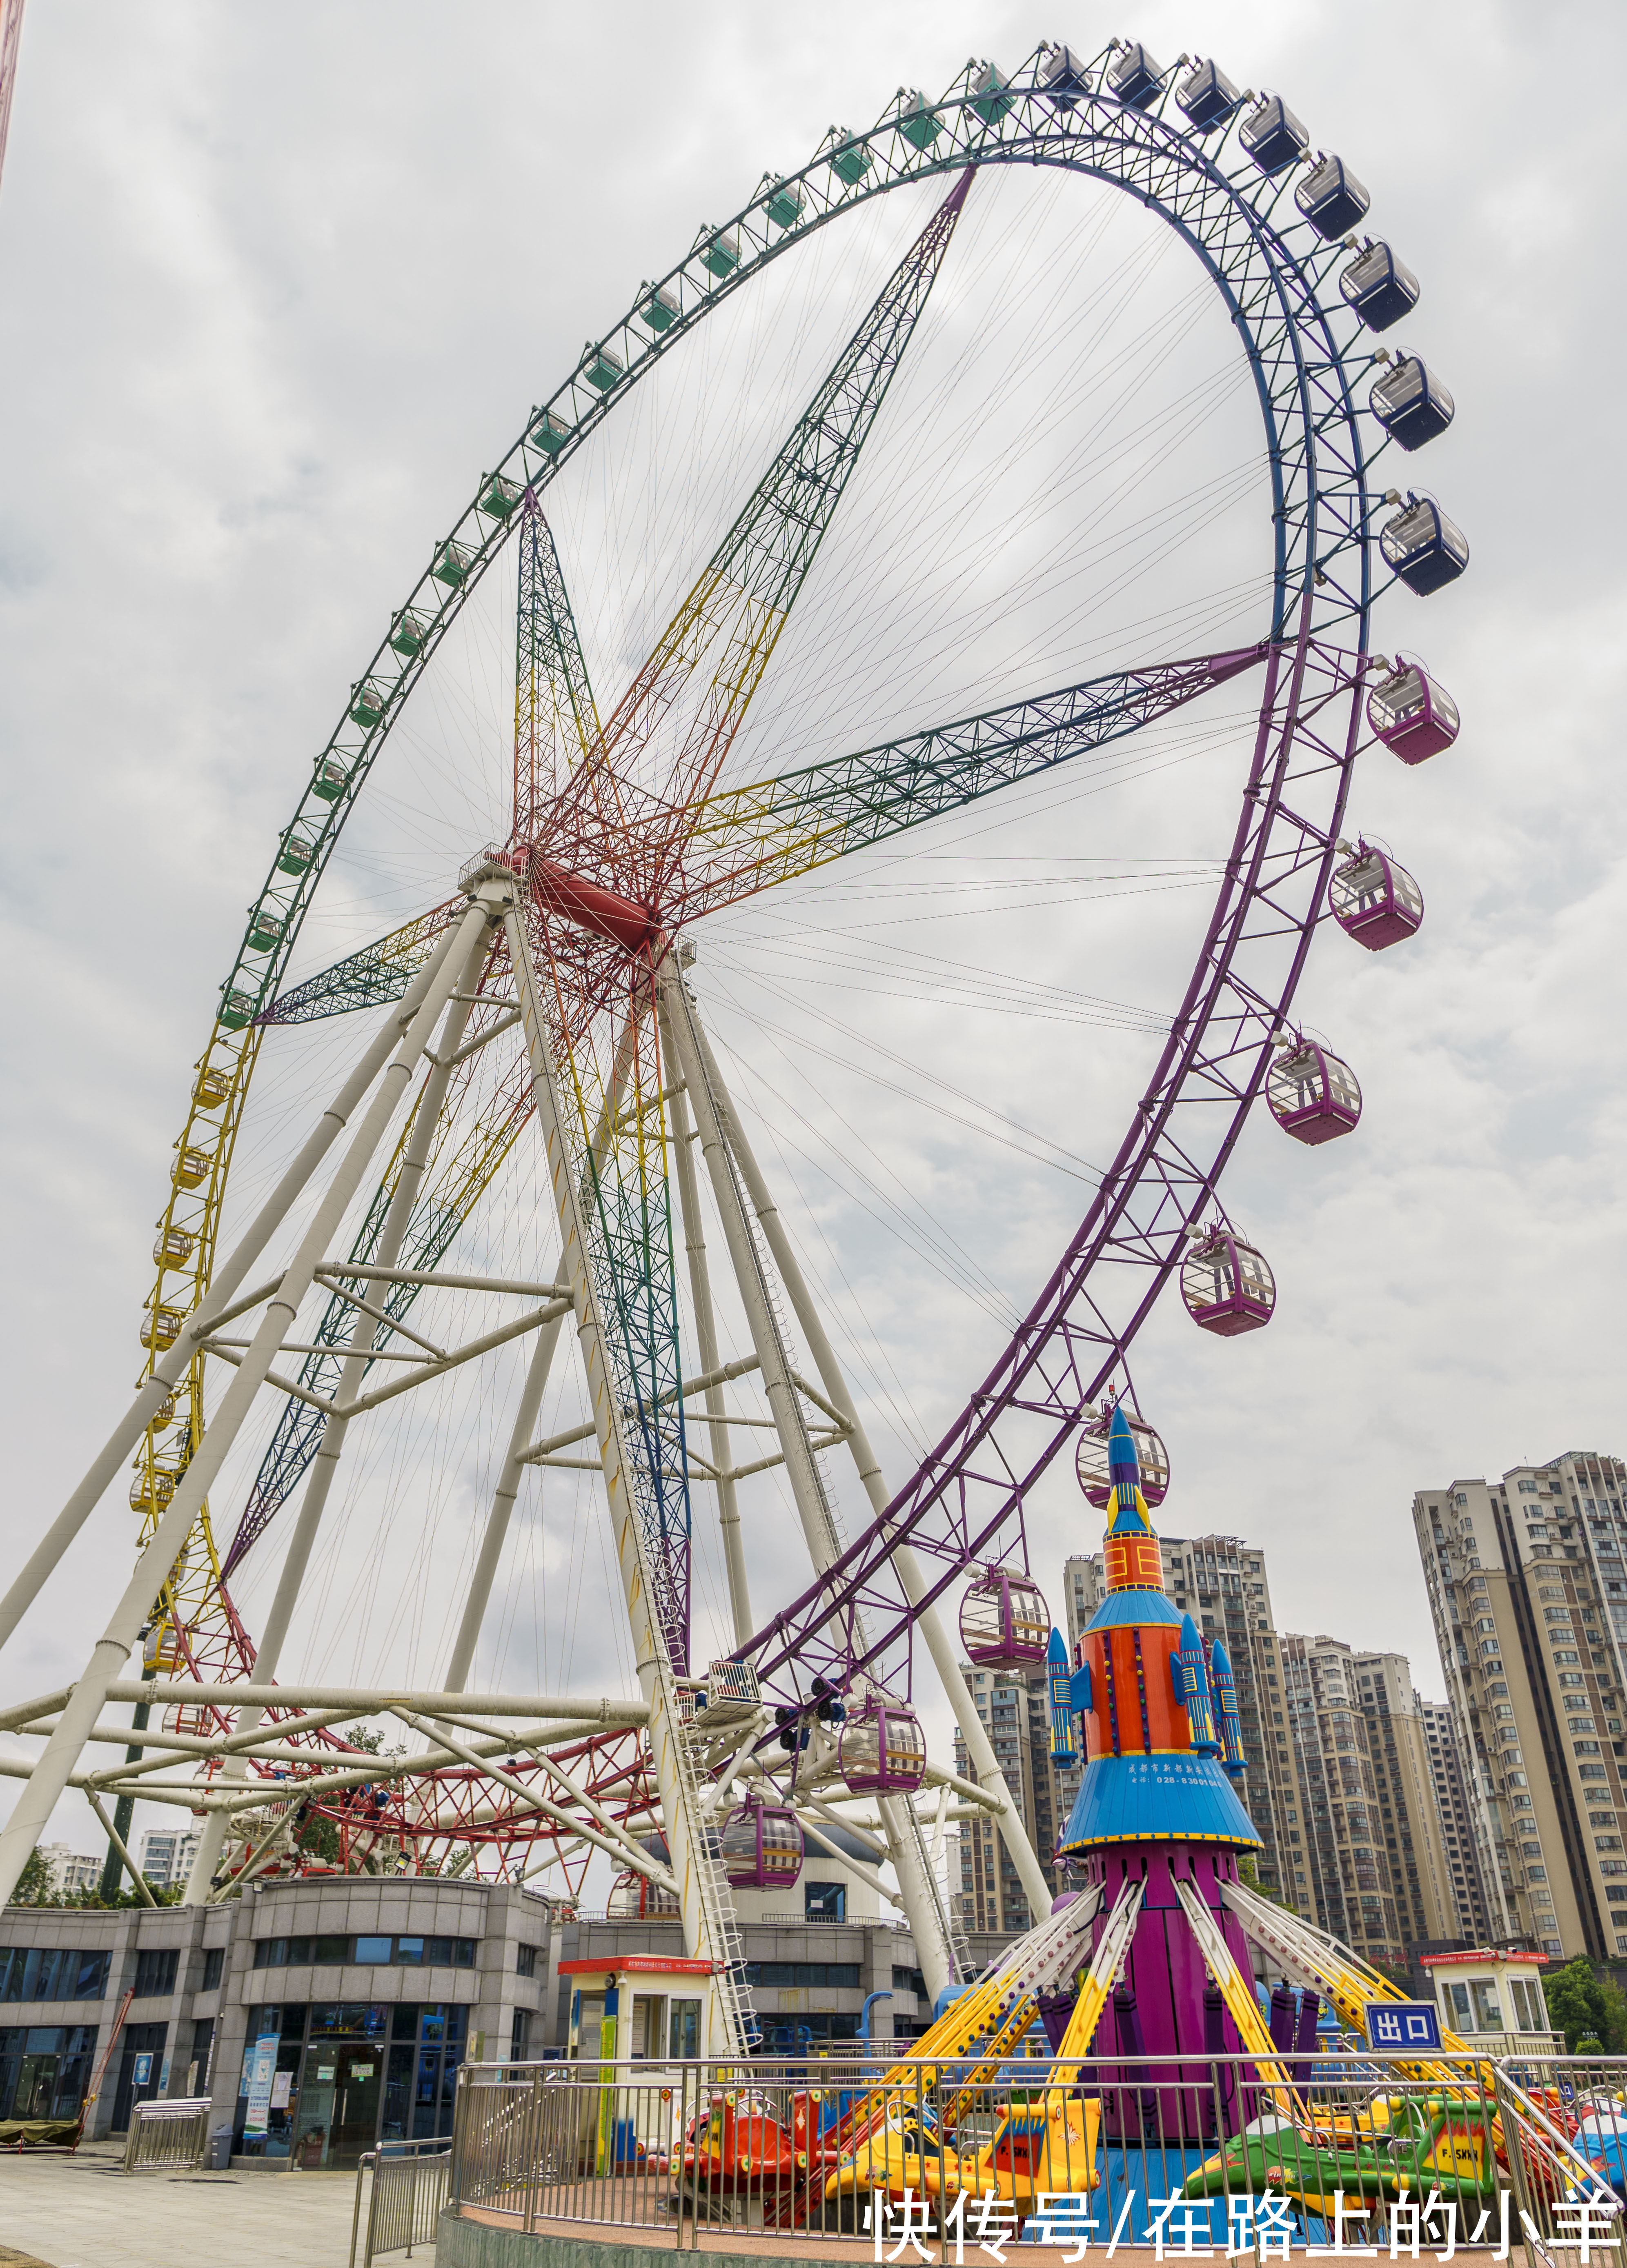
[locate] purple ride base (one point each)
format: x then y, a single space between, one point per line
1172 2007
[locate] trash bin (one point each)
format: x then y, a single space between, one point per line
220 2151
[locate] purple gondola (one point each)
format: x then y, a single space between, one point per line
1374 900
1064 79
1312 1094
1413 715
1090 1461
883 1750
1134 76
1272 135
1380 287
1331 198
635 1897
1410 402
1227 1284
1005 1620
762 1846
1207 97
1426 549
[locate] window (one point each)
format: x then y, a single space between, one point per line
1454 2005
155 1971
519 2035
214 1961
824 1900
52 1972
44 2070
363 1952
830 1974
525 1960
1488 2016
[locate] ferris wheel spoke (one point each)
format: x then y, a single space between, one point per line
740 602
555 717
775 829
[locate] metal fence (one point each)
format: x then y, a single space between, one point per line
1231 2152
168 2134
405 2183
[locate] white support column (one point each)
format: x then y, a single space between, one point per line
325 1465
226 1281
706 1339
929 1922
524 1433
707 1925
979 1752
62 1751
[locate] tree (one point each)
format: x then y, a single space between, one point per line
1577 2003
1615 2014
1251 1881
33 1884
1396 1973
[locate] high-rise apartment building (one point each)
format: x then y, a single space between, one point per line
1366 1843
1527 1584
69 1870
166 1854
1222 1582
1014 1705
1470 1905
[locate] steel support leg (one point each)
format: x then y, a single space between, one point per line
325 1465
979 1752
706 1340
62 1751
524 1433
929 1921
707 1923
227 1280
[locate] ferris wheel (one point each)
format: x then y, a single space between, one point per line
520 1077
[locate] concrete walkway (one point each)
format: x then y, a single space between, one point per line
86 2212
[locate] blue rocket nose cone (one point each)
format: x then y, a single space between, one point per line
1191 1641
1056 1650
1220 1660
1123 1462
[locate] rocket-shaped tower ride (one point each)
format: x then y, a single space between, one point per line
1162 1745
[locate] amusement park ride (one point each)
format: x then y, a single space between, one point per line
553 998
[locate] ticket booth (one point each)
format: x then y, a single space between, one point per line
641 2007
1491 1997
640 2013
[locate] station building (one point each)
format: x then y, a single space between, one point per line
362 1996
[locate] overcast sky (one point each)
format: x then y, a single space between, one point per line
279 283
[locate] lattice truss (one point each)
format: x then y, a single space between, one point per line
623 833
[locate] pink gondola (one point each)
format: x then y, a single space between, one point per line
1374 900
1413 715
1005 1620
883 1749
762 1846
1227 1284
635 1897
1312 1094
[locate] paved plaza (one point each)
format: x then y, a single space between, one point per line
86 2212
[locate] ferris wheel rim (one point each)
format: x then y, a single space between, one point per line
977 150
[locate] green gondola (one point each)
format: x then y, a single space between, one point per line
1392 2144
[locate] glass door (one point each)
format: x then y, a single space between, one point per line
357 2084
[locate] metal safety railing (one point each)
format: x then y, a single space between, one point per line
168 2134
405 2186
1236 2153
